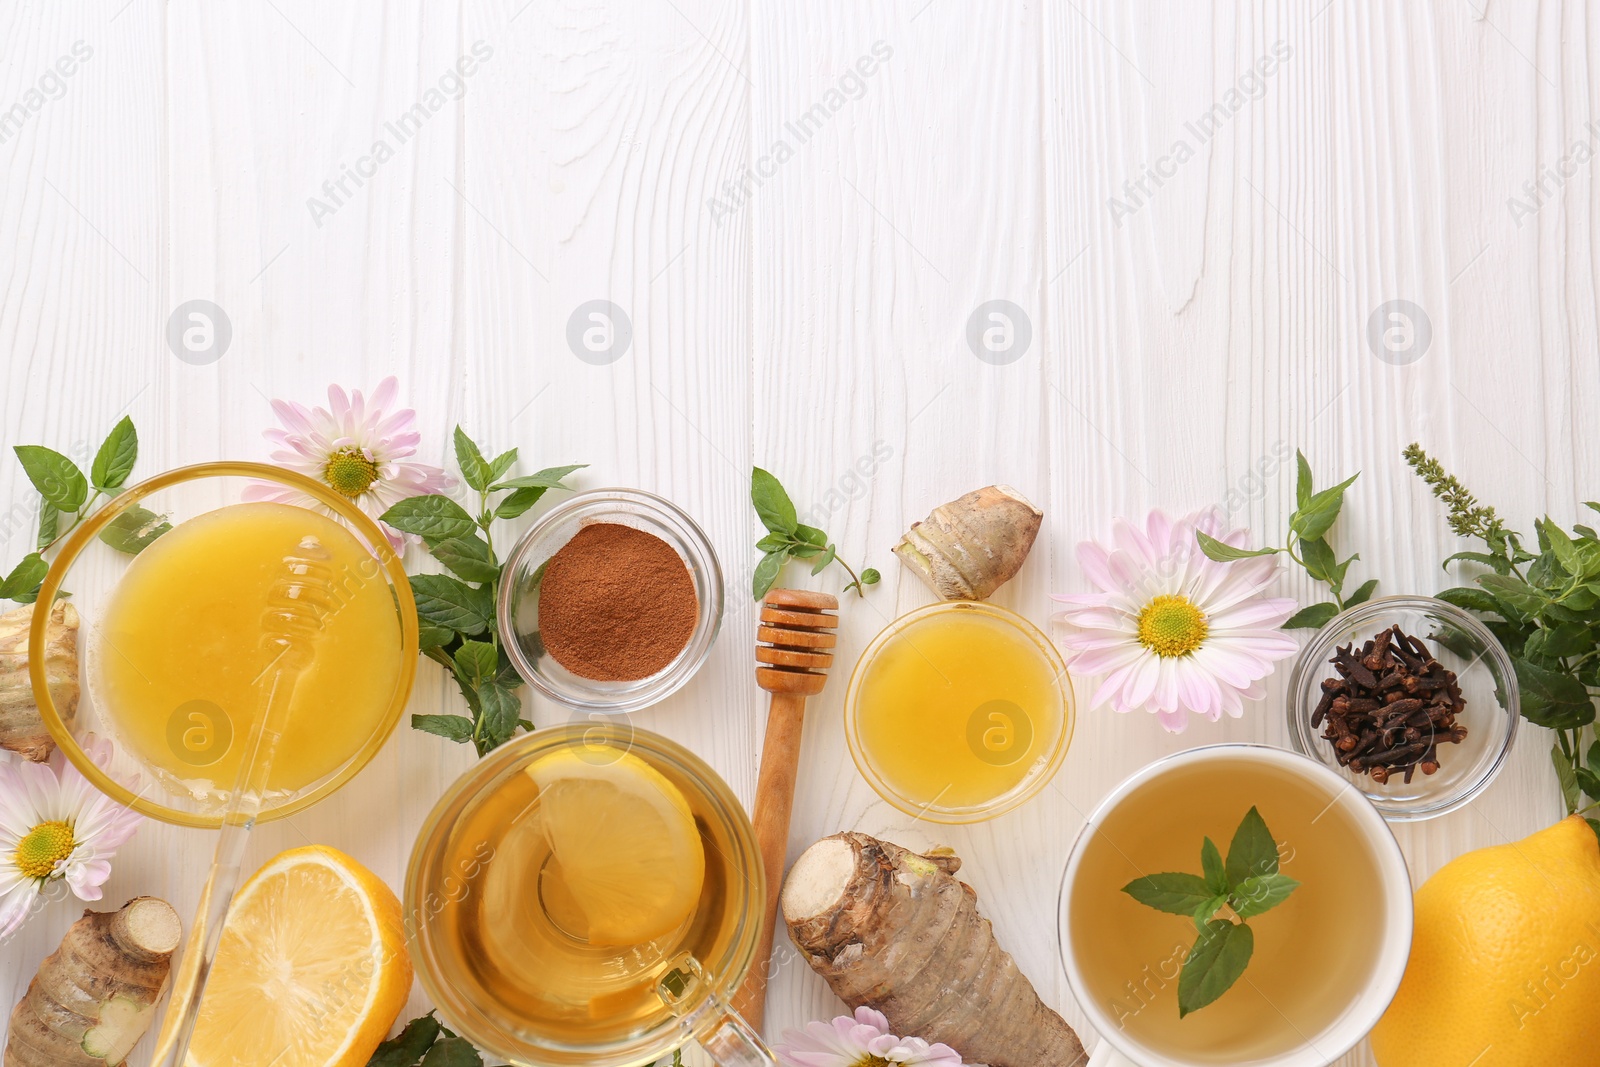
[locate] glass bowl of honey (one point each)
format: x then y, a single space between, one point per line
959 712
197 596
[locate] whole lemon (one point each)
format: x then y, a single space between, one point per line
1505 960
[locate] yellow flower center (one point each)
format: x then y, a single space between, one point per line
1171 626
349 472
45 846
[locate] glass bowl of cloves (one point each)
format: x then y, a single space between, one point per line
1412 699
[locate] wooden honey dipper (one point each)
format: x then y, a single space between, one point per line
792 661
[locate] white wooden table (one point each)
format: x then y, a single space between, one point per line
799 207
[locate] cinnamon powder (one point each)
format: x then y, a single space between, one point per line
616 604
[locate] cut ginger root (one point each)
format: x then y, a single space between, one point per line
95 996
900 933
970 547
22 729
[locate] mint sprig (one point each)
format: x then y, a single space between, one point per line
1248 884
788 538
425 1042
1307 544
456 611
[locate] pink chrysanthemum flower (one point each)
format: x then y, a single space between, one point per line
859 1040
1172 631
357 446
55 826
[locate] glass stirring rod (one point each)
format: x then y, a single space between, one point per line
298 605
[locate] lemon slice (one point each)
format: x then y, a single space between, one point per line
311 971
627 852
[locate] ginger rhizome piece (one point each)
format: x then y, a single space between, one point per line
22 729
900 933
95 996
970 547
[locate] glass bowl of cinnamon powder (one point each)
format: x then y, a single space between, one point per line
611 601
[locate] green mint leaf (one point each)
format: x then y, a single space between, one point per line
549 478
1500 564
1317 556
474 468
467 556
1302 483
457 728
804 550
1177 894
1472 599
1513 591
1319 513
1226 553
502 463
870 576
1312 617
501 715
1589 782
477 662
1552 698
1211 867
1567 776
1253 852
1594 754
1362 594
134 530
432 516
1260 893
767 572
772 503
1568 639
774 543
434 637
419 1034
1202 915
114 461
811 535
24 579
824 559
451 603
518 502
452 1052
1218 958
57 478
49 524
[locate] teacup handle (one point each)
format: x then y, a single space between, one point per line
721 1031
1107 1056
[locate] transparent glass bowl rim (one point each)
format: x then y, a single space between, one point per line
707 623
724 975
1311 661
1023 791
89 530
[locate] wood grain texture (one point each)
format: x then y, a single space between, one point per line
798 213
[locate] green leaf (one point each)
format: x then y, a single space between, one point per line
1589 782
1500 564
518 502
1319 513
1320 563
476 662
1260 893
1552 698
502 463
450 603
1567 777
1561 545
1594 754
767 572
1568 639
1362 594
1302 482
419 1034
1226 553
811 535
1211 868
57 478
452 1052
24 579
457 728
1512 590
1204 912
802 550
1253 852
772 503
466 556
774 543
870 576
49 524
1179 894
1472 599
434 637
474 468
1217 960
114 461
1594 824
549 478
134 530
501 716
1312 617
824 559
432 516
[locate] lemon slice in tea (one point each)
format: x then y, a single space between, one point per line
627 852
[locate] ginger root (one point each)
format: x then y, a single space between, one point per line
900 933
22 730
970 547
95 996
